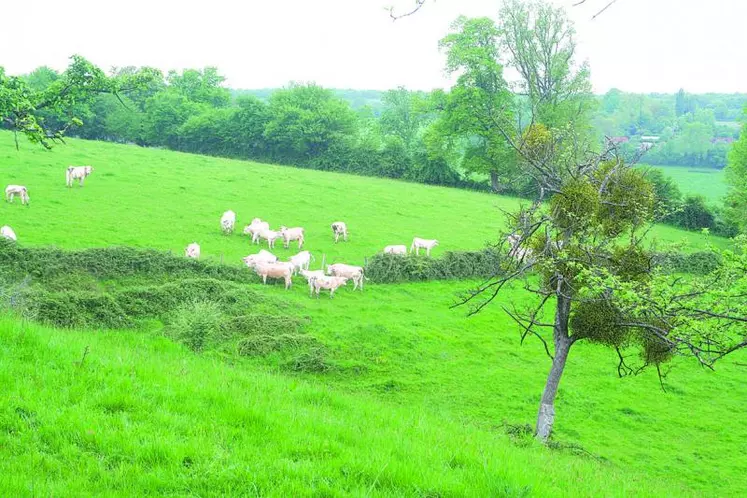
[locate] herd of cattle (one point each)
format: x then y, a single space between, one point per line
264 263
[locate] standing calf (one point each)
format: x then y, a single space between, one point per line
330 283
228 222
427 244
12 190
340 228
290 234
348 271
275 270
270 236
254 229
79 173
193 250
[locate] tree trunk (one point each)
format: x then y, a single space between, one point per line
494 181
562 343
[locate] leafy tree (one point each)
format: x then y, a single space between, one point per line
736 175
680 105
44 106
305 121
200 86
401 116
478 98
667 194
539 42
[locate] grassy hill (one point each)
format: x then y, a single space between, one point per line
416 399
708 182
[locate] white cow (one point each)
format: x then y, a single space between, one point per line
253 229
228 222
275 270
310 276
79 173
290 234
340 228
262 256
330 283
300 261
12 190
8 233
270 236
355 273
193 250
400 249
418 244
517 251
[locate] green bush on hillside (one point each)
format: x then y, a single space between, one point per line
391 268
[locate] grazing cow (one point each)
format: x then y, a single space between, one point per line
193 250
228 222
518 252
253 229
290 234
310 276
330 283
79 173
340 228
12 190
8 233
300 261
270 236
262 256
355 273
275 270
418 244
401 250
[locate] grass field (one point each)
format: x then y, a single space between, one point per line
417 395
708 182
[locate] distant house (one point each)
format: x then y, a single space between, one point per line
722 140
618 140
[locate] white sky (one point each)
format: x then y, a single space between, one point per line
636 45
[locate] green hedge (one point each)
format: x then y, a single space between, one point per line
50 263
391 268
698 263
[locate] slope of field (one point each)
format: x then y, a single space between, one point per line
129 414
708 182
396 351
165 200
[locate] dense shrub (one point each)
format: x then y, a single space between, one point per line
389 268
49 263
699 263
196 323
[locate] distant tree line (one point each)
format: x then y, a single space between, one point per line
440 137
685 129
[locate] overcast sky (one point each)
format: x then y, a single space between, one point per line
636 45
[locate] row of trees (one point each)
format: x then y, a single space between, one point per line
692 130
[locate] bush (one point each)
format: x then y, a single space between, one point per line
48 263
196 324
699 263
390 268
